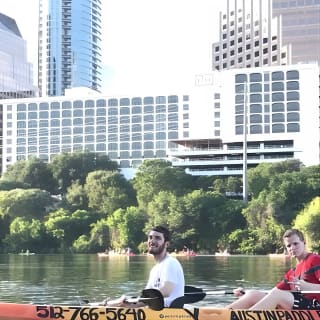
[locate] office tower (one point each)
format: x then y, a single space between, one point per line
249 37
300 28
69 45
16 78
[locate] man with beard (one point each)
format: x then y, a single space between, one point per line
166 276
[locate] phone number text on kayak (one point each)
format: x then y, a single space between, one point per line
86 313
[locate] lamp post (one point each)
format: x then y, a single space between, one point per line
244 163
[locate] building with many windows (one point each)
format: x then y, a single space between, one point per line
128 129
202 130
69 45
300 28
249 37
16 75
265 114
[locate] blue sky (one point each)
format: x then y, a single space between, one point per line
147 44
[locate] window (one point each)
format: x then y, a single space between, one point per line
77 113
239 119
277 86
278 107
124 110
160 109
148 109
173 108
136 101
113 102
173 99
293 106
293 127
277 96
293 117
136 110
292 75
255 129
294 95
255 108
292 85
278 128
255 98
124 102
256 87
148 100
161 100
241 78
277 117
256 118
101 103
77 104
278 75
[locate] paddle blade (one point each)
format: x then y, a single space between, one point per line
193 294
155 299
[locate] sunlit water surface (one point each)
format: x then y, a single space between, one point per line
69 279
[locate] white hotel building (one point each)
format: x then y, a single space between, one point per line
201 130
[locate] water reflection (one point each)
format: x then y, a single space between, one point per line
71 278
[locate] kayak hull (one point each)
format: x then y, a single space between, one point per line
13 311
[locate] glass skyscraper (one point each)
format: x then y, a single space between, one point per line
69 45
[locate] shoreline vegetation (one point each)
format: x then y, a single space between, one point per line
81 203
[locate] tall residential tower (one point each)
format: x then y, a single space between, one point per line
69 45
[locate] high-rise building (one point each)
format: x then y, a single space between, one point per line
300 28
69 45
16 77
249 37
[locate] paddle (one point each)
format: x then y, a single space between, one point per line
150 297
194 294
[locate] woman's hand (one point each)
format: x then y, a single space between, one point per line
238 292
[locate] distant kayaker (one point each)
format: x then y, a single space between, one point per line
288 293
166 275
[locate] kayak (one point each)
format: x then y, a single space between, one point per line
14 311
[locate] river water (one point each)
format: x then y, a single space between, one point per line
69 279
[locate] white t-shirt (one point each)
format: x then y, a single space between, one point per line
169 269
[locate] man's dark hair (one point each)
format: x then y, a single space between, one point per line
163 230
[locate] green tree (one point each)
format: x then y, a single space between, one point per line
33 173
158 175
26 235
66 227
126 228
70 167
26 203
76 197
308 221
108 191
259 177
